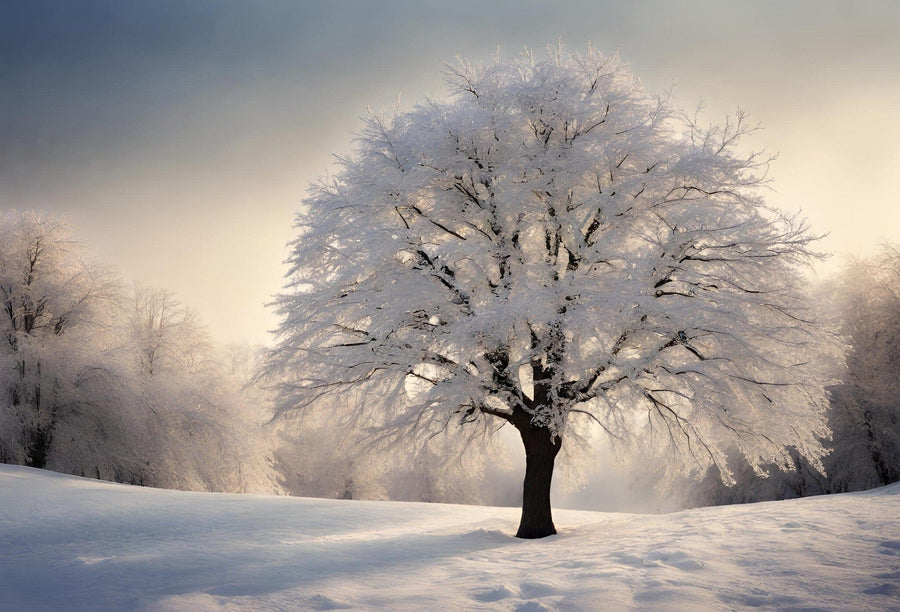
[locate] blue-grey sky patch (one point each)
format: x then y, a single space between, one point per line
180 137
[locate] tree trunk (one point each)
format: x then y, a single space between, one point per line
541 448
37 447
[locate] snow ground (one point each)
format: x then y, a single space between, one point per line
75 544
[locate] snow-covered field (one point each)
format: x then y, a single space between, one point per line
69 543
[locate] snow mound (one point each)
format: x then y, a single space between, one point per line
74 544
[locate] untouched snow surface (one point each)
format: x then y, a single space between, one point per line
69 543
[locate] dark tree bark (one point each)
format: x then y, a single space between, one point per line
37 447
541 448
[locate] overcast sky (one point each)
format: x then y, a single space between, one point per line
180 137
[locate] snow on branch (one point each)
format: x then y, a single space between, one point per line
554 241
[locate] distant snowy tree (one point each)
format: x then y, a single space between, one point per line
315 459
51 299
552 247
100 383
202 418
165 337
865 412
749 484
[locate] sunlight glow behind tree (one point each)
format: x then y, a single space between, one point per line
552 248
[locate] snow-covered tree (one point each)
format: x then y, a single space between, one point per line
202 420
51 298
865 413
165 336
552 247
315 459
122 387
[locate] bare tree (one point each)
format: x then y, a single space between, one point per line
166 335
552 247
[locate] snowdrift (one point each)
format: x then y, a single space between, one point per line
70 543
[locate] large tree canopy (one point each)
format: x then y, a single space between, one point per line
552 243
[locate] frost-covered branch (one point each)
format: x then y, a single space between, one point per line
554 244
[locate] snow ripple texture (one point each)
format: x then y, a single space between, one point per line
74 544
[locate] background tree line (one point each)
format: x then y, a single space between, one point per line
120 382
117 381
863 302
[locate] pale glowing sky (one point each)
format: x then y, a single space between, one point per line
180 137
